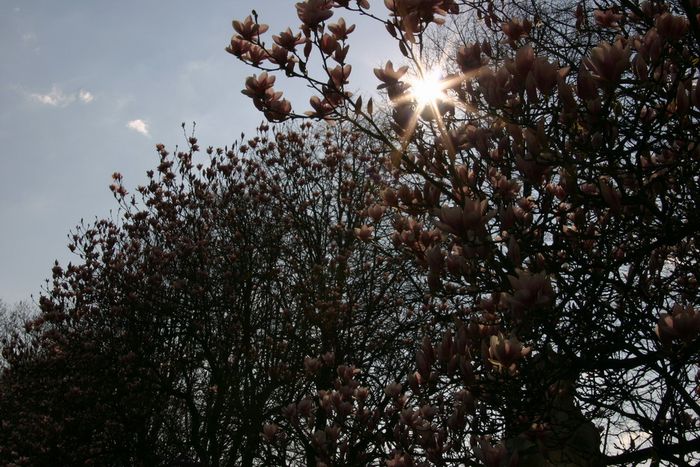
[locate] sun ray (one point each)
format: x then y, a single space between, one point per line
429 89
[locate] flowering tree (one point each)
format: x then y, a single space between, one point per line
12 319
547 181
229 287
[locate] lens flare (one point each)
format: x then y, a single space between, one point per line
428 89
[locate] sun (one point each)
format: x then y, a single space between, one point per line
427 89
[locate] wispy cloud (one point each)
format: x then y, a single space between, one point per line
138 126
58 98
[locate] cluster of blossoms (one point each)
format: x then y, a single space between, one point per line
331 41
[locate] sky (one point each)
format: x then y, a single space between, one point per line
89 87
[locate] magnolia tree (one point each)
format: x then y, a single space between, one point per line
12 319
202 318
546 175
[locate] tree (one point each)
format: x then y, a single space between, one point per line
230 286
12 319
550 186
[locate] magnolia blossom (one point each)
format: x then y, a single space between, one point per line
388 75
339 75
249 29
255 55
469 57
682 324
278 55
465 221
516 29
322 108
671 27
364 232
313 12
608 61
238 47
376 211
287 40
504 353
276 108
530 291
340 30
607 18
610 194
269 431
258 86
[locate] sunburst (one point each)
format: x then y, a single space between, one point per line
427 88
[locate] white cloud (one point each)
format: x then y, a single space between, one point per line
57 98
139 126
85 96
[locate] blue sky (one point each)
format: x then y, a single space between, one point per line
88 87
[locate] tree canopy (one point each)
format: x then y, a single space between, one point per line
228 287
